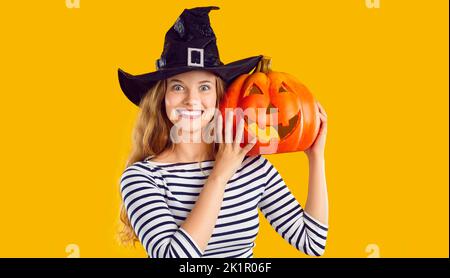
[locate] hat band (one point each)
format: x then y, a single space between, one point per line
194 57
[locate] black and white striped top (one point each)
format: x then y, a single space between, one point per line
159 196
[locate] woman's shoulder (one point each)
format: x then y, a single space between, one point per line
139 174
140 165
138 169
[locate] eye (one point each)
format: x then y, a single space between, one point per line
177 87
254 90
204 88
282 88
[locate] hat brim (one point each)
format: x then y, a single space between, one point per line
136 86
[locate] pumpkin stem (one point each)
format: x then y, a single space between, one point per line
264 65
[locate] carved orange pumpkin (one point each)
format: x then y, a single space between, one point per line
277 109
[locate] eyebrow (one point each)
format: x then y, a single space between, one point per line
177 80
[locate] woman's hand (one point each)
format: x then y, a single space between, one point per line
317 149
230 154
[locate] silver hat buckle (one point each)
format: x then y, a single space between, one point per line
189 58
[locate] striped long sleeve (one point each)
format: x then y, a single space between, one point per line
288 218
151 218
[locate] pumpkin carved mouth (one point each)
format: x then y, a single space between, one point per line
269 130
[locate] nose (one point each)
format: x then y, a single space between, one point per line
192 98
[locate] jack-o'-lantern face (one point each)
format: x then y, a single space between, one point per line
277 109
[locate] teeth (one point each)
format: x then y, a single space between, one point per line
190 113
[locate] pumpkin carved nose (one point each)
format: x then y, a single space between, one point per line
272 117
271 109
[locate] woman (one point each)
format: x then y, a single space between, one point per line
185 196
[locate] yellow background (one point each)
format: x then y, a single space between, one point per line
381 74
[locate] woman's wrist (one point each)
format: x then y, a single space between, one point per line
217 178
316 157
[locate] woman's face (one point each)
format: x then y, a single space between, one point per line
190 100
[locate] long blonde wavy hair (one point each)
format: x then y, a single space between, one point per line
151 136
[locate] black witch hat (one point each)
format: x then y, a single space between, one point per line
190 44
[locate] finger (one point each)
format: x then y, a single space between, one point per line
323 124
239 132
321 108
229 127
323 118
219 126
249 145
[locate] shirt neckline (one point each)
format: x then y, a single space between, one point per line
158 163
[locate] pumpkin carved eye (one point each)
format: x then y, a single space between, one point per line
282 88
254 90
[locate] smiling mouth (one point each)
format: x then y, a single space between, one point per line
189 114
271 132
